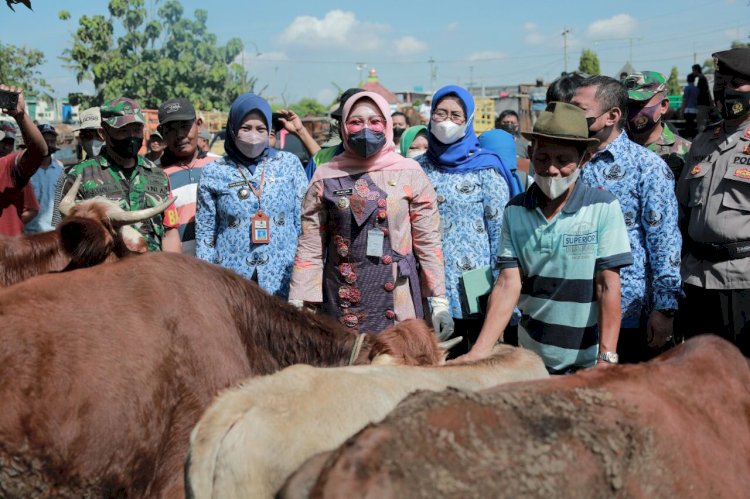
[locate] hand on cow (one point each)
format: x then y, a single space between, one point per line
659 329
476 353
442 320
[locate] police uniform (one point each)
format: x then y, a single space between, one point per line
714 196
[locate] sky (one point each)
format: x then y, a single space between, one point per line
306 48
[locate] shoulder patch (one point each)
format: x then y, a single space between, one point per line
743 173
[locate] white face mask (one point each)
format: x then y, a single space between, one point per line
554 187
413 153
250 143
92 147
447 132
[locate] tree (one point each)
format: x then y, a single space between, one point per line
740 45
709 66
156 58
673 83
589 63
306 107
18 67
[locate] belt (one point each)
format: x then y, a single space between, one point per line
719 252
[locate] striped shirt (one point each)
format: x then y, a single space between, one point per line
184 183
559 260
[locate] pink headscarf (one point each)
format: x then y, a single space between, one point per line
349 163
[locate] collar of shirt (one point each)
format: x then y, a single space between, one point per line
613 148
105 161
667 137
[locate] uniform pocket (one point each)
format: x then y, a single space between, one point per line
736 186
698 184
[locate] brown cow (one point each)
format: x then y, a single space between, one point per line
104 371
678 426
93 231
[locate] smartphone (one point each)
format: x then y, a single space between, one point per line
8 99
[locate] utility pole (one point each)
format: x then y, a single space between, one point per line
433 74
360 67
471 77
565 33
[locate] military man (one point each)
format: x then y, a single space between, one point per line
647 105
119 173
714 196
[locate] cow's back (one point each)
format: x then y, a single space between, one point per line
675 427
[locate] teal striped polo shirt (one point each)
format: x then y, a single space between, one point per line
559 259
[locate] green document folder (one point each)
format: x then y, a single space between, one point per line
477 284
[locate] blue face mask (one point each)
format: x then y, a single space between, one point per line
366 143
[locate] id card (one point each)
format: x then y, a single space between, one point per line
260 229
375 238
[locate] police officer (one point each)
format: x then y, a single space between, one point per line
714 196
647 105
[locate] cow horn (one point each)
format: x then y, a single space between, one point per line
121 217
447 345
69 201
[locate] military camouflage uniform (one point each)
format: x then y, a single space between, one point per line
672 148
134 189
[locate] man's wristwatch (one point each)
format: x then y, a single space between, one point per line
608 357
668 312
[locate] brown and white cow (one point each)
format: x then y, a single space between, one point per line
678 426
256 434
93 231
105 371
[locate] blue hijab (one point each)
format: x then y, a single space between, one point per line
464 155
241 107
504 145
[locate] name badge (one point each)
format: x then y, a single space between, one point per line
343 192
375 238
260 228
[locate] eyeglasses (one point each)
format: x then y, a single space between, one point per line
374 123
441 115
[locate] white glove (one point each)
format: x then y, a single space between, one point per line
442 320
298 304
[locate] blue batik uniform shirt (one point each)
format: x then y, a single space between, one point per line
644 186
559 259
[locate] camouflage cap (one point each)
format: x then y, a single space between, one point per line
121 112
642 86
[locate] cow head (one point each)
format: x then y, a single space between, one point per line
94 230
409 343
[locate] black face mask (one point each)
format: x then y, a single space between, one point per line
127 148
735 104
365 143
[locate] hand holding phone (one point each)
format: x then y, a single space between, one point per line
11 100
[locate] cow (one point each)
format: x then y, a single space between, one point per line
104 371
678 426
254 435
94 231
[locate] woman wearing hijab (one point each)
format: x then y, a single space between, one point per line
413 141
368 216
472 187
248 213
504 145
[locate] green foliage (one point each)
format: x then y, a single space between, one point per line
740 45
63 15
18 67
306 107
709 67
589 63
673 83
156 57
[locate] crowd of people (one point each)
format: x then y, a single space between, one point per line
620 239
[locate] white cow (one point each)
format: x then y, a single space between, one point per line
255 435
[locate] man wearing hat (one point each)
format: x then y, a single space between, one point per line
327 153
647 104
714 196
18 204
563 244
90 132
155 147
44 183
7 138
119 173
182 162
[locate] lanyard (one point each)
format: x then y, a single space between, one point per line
259 191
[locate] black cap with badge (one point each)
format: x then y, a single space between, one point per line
176 110
733 62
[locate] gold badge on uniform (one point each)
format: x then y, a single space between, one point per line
737 108
696 170
343 203
717 131
742 173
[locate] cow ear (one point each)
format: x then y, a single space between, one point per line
87 242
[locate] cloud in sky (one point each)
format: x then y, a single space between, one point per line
618 26
532 35
487 55
408 45
338 28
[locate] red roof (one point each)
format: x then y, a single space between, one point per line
373 85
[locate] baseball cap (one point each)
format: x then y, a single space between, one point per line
90 119
120 112
562 121
7 131
156 134
47 128
644 85
336 113
734 62
176 110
